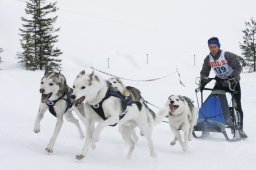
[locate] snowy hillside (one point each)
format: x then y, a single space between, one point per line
171 33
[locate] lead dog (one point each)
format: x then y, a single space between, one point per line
182 116
98 96
55 97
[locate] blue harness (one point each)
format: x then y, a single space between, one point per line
98 107
51 103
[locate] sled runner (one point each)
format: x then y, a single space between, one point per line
217 115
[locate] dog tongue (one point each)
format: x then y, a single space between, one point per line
45 97
172 107
79 101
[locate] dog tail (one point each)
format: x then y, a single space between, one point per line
160 116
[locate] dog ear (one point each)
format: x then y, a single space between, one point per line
96 78
181 98
82 72
63 86
91 78
119 80
58 74
46 71
92 73
169 98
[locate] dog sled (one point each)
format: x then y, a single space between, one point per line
216 114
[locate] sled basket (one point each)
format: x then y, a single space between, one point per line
215 115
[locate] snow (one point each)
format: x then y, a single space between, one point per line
92 31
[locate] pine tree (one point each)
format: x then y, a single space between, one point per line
248 46
38 37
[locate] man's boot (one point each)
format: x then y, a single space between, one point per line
242 134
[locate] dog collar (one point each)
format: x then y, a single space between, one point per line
171 114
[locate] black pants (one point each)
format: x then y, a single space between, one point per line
237 99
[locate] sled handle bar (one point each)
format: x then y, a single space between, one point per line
208 89
198 89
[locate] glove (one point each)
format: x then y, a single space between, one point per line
203 82
230 84
231 76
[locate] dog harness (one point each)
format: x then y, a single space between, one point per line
51 103
98 107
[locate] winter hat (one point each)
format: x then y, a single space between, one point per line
214 40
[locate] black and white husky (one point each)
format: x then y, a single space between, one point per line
182 116
55 97
104 105
128 91
134 93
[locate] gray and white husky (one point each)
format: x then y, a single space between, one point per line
94 93
182 115
55 97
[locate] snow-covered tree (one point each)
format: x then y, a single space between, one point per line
1 50
38 36
248 46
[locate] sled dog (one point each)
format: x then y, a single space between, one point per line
182 116
132 92
107 106
55 97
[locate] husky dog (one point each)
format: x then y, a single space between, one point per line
107 107
56 98
133 92
182 116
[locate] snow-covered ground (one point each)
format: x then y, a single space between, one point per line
125 32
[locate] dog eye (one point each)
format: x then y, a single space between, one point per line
83 87
177 99
74 87
42 82
51 84
114 82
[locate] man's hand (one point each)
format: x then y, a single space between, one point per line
203 82
230 84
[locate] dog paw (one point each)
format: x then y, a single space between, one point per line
185 148
129 157
81 137
49 150
95 138
173 143
153 154
93 146
36 130
80 156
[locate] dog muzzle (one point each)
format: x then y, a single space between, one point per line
45 97
79 101
173 107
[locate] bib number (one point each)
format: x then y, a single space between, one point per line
220 70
